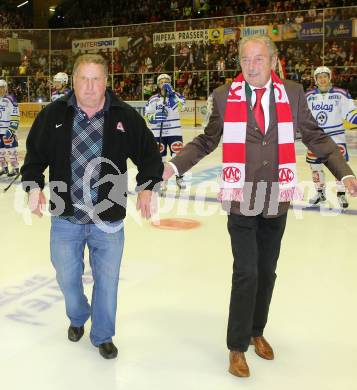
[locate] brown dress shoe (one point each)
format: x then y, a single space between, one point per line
262 347
237 364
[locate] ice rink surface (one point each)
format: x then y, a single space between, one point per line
174 295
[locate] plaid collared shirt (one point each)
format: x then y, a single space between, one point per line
87 140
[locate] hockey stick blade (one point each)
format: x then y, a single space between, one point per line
11 182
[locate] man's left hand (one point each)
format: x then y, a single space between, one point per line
147 203
351 185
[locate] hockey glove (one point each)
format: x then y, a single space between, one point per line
168 88
9 133
352 117
9 137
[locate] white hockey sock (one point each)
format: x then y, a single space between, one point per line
340 186
13 157
318 176
2 158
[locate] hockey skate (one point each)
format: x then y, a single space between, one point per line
180 183
318 198
13 172
342 200
4 171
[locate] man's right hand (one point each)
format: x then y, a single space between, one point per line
168 171
37 202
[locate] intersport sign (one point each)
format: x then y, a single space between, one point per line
94 45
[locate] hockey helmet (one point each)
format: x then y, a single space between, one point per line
322 69
61 77
3 83
163 76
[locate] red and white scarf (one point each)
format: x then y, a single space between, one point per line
234 140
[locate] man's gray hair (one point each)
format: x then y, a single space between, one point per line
91 59
273 50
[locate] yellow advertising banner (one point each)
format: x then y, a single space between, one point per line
216 35
354 27
289 32
229 34
275 32
28 112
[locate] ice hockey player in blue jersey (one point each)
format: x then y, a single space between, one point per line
9 123
162 111
330 106
60 81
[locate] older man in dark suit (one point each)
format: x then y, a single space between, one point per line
258 116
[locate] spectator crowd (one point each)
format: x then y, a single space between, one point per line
12 17
196 67
121 12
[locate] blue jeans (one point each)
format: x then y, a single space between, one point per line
105 252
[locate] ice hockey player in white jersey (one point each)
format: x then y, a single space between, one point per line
60 81
9 123
162 111
330 106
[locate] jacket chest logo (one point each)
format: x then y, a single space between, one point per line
120 127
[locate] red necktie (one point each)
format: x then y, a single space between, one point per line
258 109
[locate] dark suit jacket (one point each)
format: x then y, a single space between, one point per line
262 150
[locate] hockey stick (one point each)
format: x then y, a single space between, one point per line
11 182
161 126
162 123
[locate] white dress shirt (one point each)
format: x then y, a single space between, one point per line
265 102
